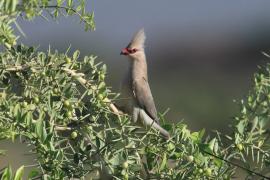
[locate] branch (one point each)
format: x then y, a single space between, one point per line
20 7
17 68
237 165
78 77
62 128
68 9
83 81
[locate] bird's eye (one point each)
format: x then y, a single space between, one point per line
131 51
134 50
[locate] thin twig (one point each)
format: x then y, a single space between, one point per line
62 128
67 8
83 81
237 165
60 7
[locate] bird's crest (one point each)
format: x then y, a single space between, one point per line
138 40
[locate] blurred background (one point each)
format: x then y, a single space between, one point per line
201 56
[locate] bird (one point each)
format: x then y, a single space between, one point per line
137 99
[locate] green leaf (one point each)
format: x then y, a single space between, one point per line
117 160
170 147
205 148
97 142
201 133
13 5
2 152
59 2
40 128
254 124
28 119
33 173
7 174
7 4
69 3
59 156
164 162
135 167
212 144
19 173
101 85
16 110
104 68
240 127
76 55
1 4
195 136
263 122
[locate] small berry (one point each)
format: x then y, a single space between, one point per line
55 90
69 114
126 176
190 158
67 104
36 100
24 104
68 60
125 165
240 147
208 171
74 135
100 96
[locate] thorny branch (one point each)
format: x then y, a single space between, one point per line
114 109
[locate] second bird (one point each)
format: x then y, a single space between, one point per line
135 90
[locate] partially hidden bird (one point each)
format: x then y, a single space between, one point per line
137 99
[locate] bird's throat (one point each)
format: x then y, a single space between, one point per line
138 69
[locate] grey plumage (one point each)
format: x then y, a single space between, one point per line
135 90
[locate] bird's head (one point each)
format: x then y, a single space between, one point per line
136 46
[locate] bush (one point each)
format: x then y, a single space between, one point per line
61 106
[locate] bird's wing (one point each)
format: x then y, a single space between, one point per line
144 98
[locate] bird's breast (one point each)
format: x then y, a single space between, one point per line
127 99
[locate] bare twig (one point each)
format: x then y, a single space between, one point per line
62 128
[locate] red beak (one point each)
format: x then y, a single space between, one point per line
124 52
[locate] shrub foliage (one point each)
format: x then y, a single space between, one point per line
60 105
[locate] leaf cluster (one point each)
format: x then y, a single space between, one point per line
251 135
11 10
60 105
46 100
